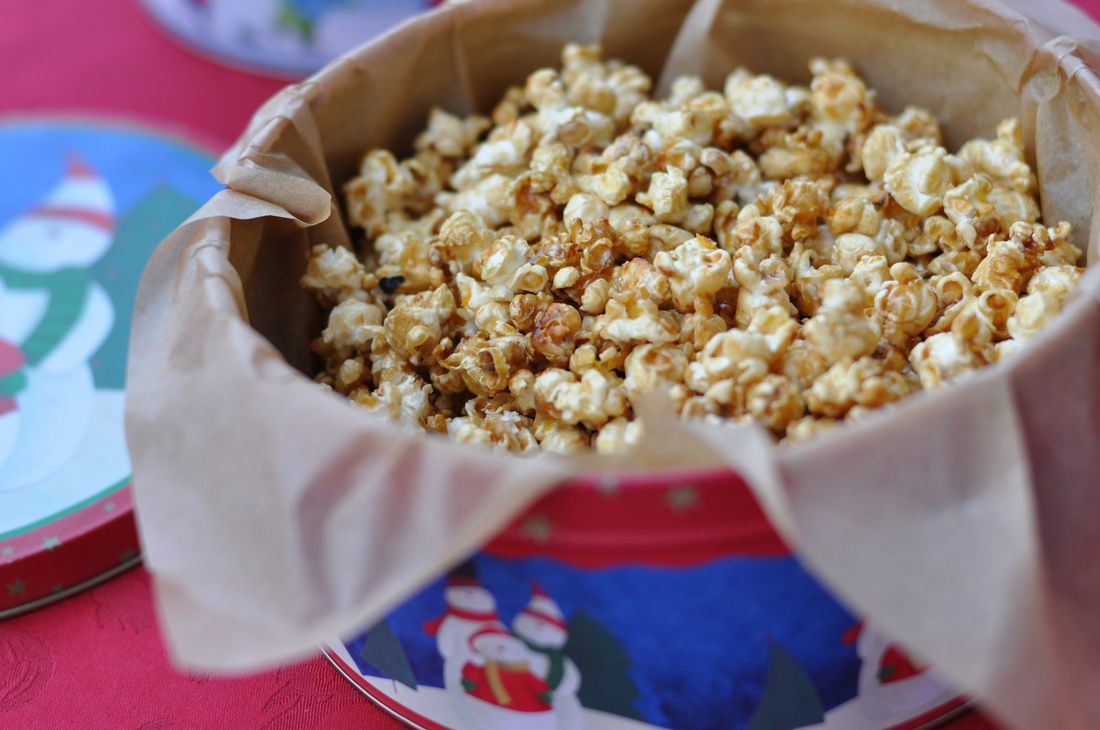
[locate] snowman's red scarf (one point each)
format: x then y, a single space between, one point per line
431 628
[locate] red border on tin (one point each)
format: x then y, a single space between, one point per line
660 519
53 558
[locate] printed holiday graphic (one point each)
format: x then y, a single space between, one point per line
538 644
496 678
54 316
83 206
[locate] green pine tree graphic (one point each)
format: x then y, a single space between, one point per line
139 230
790 699
383 650
604 666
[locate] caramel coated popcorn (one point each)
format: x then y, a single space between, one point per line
792 255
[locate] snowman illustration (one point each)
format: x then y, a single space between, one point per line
53 318
498 689
892 688
541 626
469 606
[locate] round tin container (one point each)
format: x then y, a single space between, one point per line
83 204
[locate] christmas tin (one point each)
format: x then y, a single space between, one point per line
83 205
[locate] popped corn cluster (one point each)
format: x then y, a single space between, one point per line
792 255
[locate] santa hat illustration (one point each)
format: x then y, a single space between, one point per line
490 629
461 581
543 607
463 574
81 196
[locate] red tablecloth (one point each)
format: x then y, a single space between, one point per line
96 660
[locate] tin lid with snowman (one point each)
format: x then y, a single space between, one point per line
82 205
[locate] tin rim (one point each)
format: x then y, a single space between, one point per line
934 718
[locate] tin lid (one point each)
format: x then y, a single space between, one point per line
286 38
82 205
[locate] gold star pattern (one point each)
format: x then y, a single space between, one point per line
18 588
682 497
51 542
538 528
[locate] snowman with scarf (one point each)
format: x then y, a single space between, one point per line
469 606
53 318
498 689
542 628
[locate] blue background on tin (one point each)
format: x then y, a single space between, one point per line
697 636
132 160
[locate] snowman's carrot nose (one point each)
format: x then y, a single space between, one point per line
96 218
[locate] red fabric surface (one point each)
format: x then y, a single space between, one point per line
96 660
109 58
